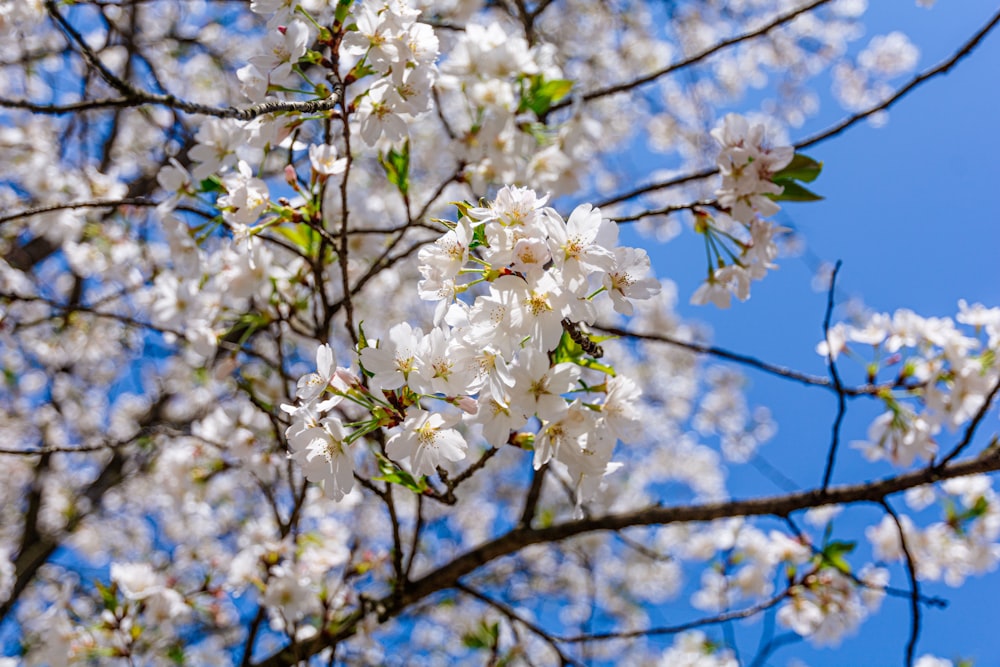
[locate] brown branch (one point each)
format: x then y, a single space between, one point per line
69 107
531 498
35 552
724 617
838 386
746 360
136 96
970 430
448 495
67 206
911 571
698 57
941 68
966 49
667 210
448 575
514 617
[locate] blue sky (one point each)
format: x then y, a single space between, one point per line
910 211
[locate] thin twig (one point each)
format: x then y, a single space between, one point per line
520 537
966 49
837 384
970 430
667 210
532 496
513 616
911 571
724 617
746 360
99 203
698 57
941 68
136 96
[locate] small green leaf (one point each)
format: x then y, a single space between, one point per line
362 338
794 192
108 595
483 637
463 208
479 237
175 654
397 166
211 184
301 235
343 7
542 94
801 168
570 351
393 474
834 552
567 350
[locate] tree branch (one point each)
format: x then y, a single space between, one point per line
698 57
746 360
446 576
966 49
133 96
838 386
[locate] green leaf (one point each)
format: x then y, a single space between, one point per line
567 350
463 208
542 94
108 595
247 324
483 637
801 168
794 192
343 7
834 552
479 237
979 509
211 184
301 235
362 338
175 654
393 474
397 166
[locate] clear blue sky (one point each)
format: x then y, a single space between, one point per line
910 210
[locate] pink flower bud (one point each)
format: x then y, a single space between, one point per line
347 376
467 404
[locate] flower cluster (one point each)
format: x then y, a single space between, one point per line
506 83
514 352
865 83
695 649
962 545
390 42
942 375
139 583
275 69
829 604
747 196
748 566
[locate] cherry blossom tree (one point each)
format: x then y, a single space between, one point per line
328 338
